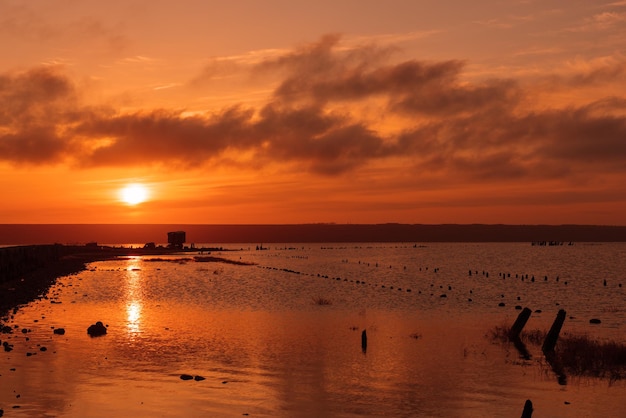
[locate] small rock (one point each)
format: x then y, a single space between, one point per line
97 329
60 331
595 321
198 378
186 377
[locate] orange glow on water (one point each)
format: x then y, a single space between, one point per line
134 298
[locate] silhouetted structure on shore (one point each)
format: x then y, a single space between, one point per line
176 239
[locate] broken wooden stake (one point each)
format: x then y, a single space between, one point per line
553 335
364 341
528 409
516 329
519 324
548 348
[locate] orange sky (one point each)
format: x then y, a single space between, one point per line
328 111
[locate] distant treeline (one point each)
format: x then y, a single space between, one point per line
23 234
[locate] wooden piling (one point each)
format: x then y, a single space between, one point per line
528 409
553 335
519 324
364 341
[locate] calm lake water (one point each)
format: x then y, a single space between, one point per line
266 347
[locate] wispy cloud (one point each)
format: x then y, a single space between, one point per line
607 19
21 21
512 21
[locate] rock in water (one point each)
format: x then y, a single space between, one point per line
97 329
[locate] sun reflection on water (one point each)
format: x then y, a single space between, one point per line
133 297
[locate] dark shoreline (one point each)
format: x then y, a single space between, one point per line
31 280
35 285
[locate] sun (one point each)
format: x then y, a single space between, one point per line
134 194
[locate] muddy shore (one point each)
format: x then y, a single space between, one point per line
32 281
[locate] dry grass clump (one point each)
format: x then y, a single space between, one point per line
322 301
579 355
582 356
501 333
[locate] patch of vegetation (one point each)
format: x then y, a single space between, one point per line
579 355
322 301
583 356
533 337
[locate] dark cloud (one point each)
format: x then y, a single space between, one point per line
323 143
162 136
329 143
577 136
474 130
324 73
34 107
607 72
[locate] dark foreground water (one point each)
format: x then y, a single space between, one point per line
265 346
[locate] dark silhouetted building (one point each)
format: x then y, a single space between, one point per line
176 239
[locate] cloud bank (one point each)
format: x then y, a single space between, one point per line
329 114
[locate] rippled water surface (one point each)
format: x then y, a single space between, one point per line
266 345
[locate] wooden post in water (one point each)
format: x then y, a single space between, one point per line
548 348
364 341
528 409
519 324
515 331
553 335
